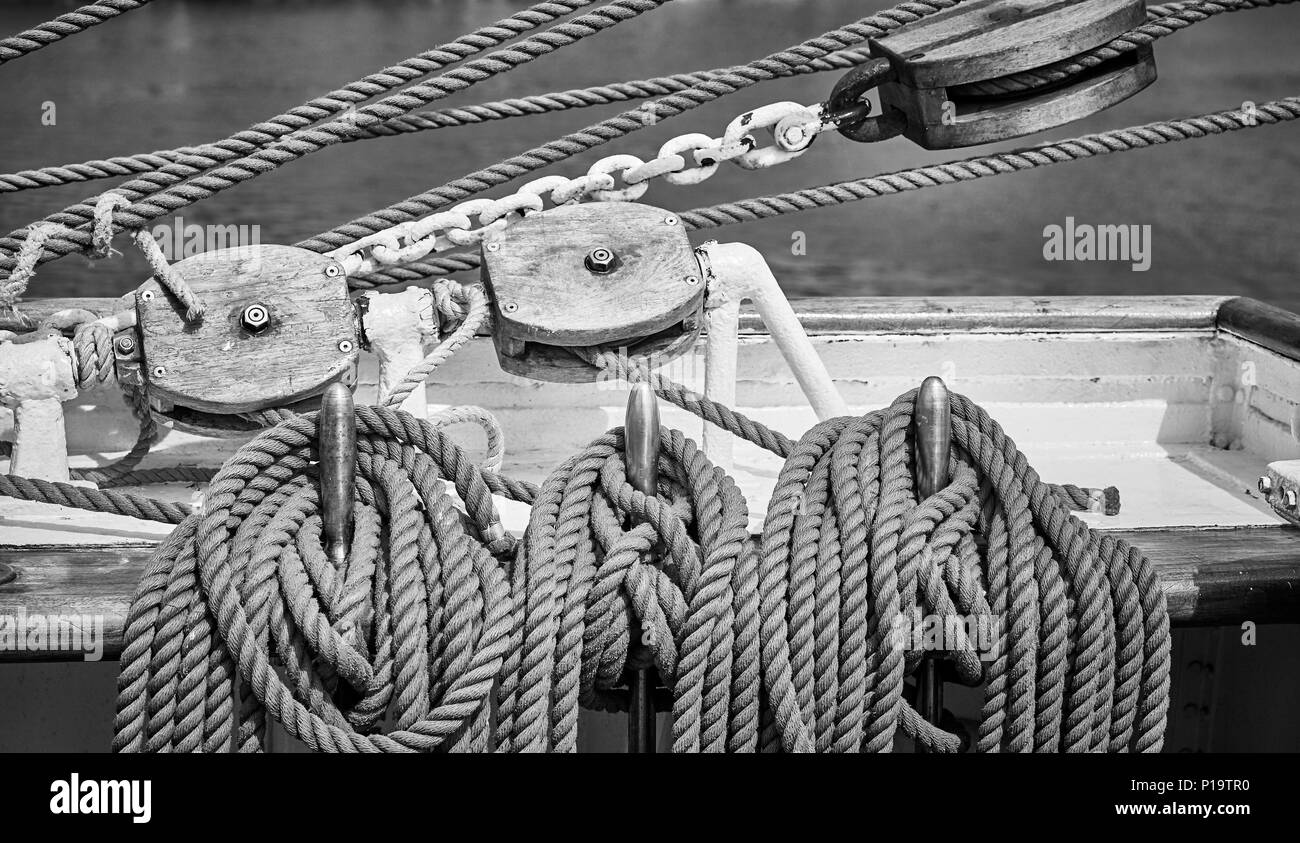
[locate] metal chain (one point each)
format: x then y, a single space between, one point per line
687 159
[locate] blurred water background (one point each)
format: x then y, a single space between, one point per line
1222 211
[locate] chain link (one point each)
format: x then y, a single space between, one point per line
684 160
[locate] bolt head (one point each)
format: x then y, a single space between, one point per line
509 307
671 220
146 295
601 260
255 318
125 345
493 247
1265 484
693 280
333 270
346 346
159 371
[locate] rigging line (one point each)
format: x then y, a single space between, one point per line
626 123
887 184
146 162
329 107
78 20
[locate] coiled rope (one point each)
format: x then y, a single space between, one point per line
797 648
850 557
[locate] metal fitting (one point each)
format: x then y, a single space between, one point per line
255 318
601 261
125 345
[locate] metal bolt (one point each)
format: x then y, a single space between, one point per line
493 247
692 280
346 346
1289 498
159 371
1265 484
255 318
146 295
333 271
509 307
125 345
600 260
793 137
671 220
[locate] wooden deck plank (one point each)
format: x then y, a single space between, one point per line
1210 577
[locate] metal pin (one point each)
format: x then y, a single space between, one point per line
932 423
337 425
641 458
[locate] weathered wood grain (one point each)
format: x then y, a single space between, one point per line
216 364
538 267
984 39
1209 577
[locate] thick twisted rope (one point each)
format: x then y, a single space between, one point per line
1079 661
851 559
414 627
78 20
597 95
969 169
167 190
743 76
584 583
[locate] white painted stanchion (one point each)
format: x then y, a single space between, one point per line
35 379
399 328
738 272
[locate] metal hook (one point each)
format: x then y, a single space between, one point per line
641 459
932 424
337 426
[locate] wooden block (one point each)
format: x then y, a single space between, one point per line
547 295
985 39
990 119
219 365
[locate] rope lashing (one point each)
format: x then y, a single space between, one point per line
583 576
78 20
415 628
850 560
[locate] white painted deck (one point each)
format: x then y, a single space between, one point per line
1181 421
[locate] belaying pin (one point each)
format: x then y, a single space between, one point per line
337 432
932 425
641 458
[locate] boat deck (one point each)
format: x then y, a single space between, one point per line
1166 399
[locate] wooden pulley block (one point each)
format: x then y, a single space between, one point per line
611 274
982 40
277 327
